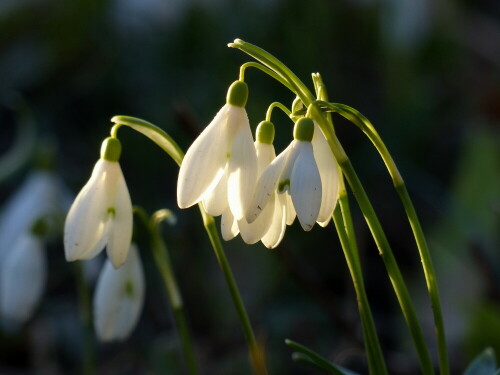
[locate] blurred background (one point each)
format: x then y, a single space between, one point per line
427 75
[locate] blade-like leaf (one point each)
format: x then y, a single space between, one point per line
309 356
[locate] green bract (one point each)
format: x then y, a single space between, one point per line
237 94
304 129
265 132
111 149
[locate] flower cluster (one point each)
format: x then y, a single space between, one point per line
257 193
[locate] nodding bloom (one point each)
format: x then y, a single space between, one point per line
119 298
270 226
295 171
22 278
220 167
101 215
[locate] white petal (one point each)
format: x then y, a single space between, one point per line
328 172
204 162
267 185
85 224
22 279
120 224
98 246
265 156
215 201
228 225
119 298
252 233
305 186
242 170
277 228
284 181
290 210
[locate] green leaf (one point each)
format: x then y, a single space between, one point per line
309 356
483 364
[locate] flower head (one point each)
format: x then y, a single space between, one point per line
101 215
119 298
295 171
220 167
22 278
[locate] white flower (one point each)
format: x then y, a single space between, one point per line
294 171
101 215
22 279
220 167
119 298
41 195
270 226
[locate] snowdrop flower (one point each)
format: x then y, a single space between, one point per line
41 195
101 215
119 298
270 226
22 278
220 167
295 171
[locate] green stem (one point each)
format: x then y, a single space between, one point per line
378 234
345 229
277 105
430 275
256 352
163 263
264 69
88 365
153 132
391 266
277 66
162 139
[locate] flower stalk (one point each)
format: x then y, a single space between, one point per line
430 275
256 353
164 265
85 306
343 223
385 251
